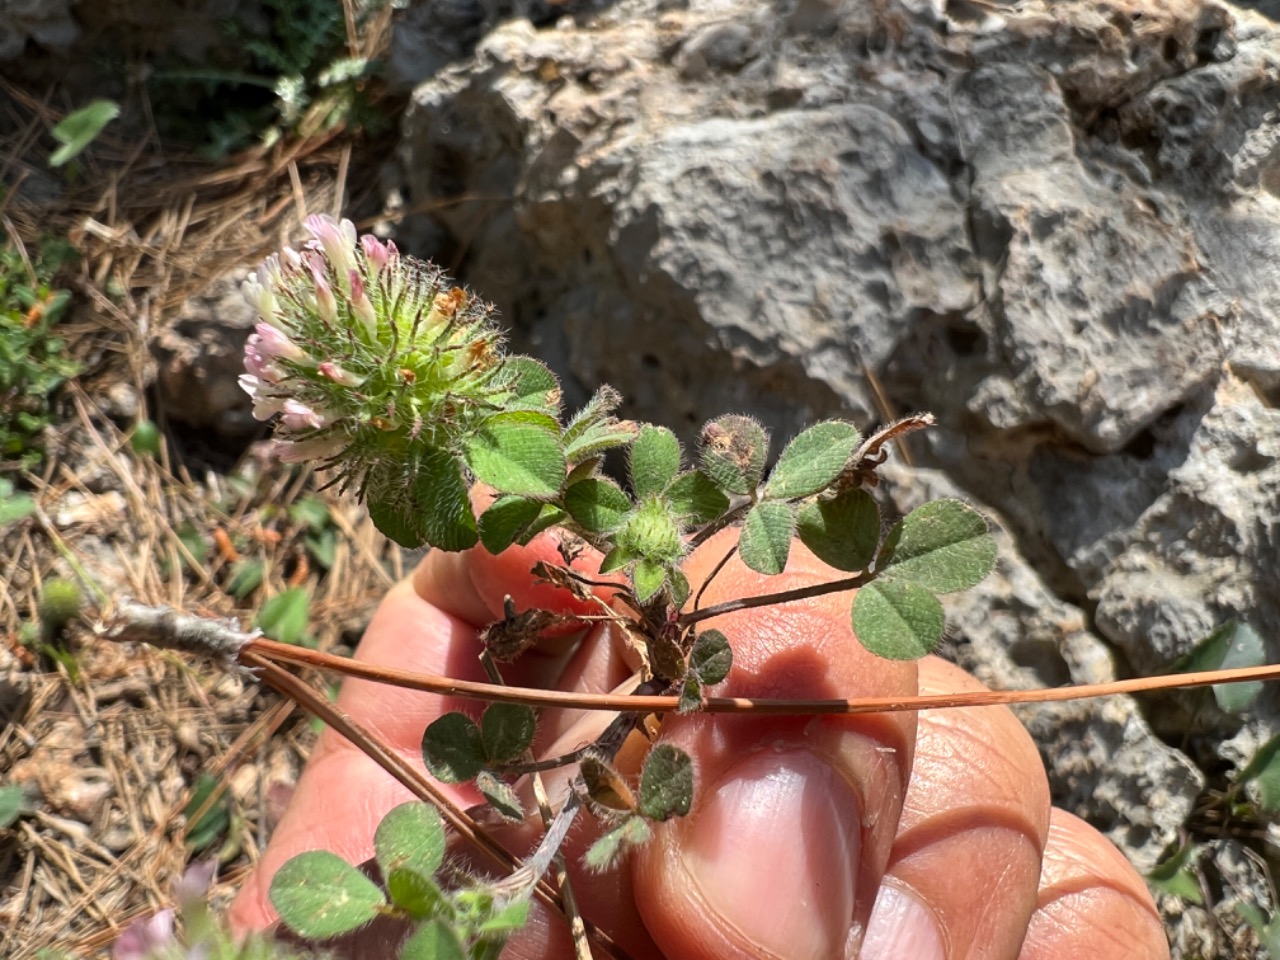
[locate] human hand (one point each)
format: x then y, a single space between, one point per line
805 831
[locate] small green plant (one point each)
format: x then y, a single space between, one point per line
382 371
299 78
77 130
33 360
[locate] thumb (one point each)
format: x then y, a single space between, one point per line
793 817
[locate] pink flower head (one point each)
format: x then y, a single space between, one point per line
273 343
142 938
337 239
299 416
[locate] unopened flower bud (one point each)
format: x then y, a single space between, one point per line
326 303
333 372
376 252
362 306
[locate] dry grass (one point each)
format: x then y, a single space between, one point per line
109 751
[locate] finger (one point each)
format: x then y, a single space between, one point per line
342 794
475 584
793 817
977 807
1092 903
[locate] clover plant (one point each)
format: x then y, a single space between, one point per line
375 366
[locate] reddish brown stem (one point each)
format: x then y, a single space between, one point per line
621 703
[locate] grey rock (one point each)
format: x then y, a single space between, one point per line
1105 764
48 23
199 357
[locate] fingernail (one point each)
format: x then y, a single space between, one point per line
775 853
901 926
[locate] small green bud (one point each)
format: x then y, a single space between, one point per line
652 532
59 604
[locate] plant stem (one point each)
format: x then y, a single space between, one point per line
769 599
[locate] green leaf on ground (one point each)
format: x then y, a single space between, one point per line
734 452
319 895
1177 875
12 803
507 730
285 616
411 837
77 130
1263 769
666 783
516 457
943 546
655 461
598 506
1267 928
766 537
453 748
843 531
246 575
897 619
14 506
1233 644
206 828
812 460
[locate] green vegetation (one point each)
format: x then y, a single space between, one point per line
296 75
33 360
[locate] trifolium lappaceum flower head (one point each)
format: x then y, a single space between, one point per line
379 367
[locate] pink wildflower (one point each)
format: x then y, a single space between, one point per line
335 373
142 938
273 343
299 416
337 239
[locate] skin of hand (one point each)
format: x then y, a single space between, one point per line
886 837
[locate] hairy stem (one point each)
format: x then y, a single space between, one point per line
769 599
